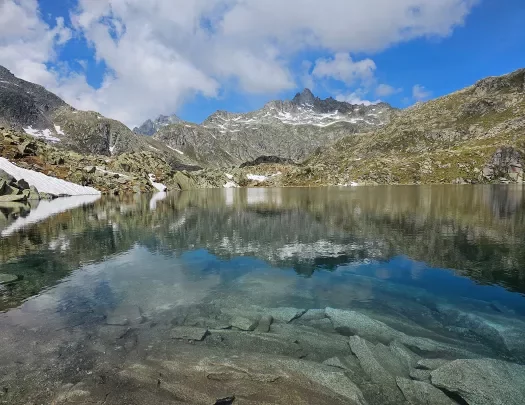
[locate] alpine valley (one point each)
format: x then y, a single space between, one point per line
475 135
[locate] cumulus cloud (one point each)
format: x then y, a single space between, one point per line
160 53
385 90
355 98
341 67
420 93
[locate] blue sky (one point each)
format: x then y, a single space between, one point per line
136 59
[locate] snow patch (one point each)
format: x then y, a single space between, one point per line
176 150
256 177
58 130
230 184
46 209
44 183
43 134
158 186
230 176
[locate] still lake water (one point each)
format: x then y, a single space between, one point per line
106 288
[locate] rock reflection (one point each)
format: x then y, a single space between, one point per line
476 231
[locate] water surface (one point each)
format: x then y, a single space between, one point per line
102 286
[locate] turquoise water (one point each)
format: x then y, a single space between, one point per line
445 263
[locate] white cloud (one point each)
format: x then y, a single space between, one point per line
162 52
420 92
355 98
341 67
385 90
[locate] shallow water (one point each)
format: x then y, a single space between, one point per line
101 288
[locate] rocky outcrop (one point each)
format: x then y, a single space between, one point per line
473 135
483 381
268 159
506 163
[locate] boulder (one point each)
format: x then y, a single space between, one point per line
285 314
264 324
483 381
33 194
6 189
6 177
90 169
22 184
27 148
243 323
355 323
384 381
335 362
7 278
422 393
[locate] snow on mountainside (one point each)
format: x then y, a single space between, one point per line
304 109
290 129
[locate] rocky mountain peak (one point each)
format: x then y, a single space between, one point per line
150 127
306 97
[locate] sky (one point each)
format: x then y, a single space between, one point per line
135 59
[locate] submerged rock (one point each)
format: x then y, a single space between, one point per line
188 333
483 381
335 362
244 323
385 382
264 324
422 393
7 278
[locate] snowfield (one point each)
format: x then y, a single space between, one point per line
43 134
46 209
44 183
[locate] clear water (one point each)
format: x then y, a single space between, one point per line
439 262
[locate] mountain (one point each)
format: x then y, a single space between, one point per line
473 135
150 127
30 108
290 129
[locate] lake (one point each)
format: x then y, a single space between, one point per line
362 295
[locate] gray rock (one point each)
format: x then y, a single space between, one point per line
354 323
483 381
422 393
313 315
264 324
6 189
335 362
335 381
405 356
33 194
285 314
188 333
90 169
420 375
7 278
244 323
22 184
6 177
385 381
431 364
